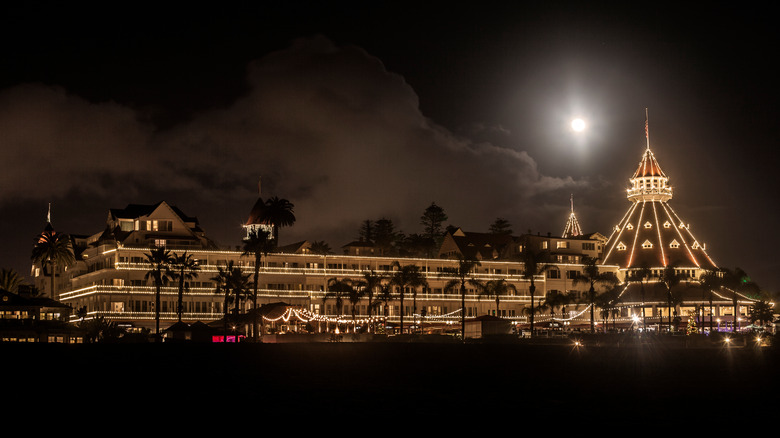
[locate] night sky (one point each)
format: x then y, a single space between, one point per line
362 112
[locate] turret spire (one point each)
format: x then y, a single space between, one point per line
572 228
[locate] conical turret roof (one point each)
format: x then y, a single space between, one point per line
649 166
651 233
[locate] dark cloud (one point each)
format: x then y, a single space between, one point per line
326 126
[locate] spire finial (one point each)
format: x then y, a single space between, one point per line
572 203
48 214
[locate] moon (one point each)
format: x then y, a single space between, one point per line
578 125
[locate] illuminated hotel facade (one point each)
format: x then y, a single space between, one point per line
108 278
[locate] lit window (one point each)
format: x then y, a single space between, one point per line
682 225
648 224
695 245
621 246
667 224
562 244
629 227
647 244
674 244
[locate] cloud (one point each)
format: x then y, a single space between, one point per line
326 126
54 142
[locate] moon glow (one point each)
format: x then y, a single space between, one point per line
578 125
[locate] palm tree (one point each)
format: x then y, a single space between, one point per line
669 280
231 281
159 260
55 249
408 276
534 263
184 268
354 295
385 296
320 247
608 302
81 313
279 213
222 288
496 288
463 274
10 280
737 281
258 245
708 281
239 284
640 275
338 290
761 312
590 275
370 283
555 300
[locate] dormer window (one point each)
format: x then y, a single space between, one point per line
674 244
682 225
629 227
667 224
648 224
621 246
647 244
695 245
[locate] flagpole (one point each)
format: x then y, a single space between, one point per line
647 129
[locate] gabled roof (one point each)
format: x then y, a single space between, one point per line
359 244
9 299
134 211
479 246
294 248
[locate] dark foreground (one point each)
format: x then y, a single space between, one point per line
360 383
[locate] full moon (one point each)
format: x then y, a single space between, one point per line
578 125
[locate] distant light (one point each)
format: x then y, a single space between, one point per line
578 125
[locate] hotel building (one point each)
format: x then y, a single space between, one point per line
108 278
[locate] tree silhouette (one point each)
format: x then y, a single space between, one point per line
670 280
407 276
320 247
497 289
258 245
159 261
535 263
369 284
54 249
279 213
592 276
10 280
463 274
339 290
432 220
184 268
640 275
501 227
